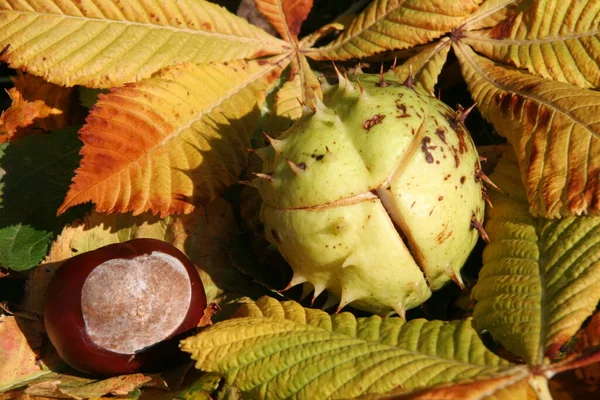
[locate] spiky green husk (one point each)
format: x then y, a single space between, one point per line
372 196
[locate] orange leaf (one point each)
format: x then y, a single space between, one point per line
286 16
38 105
18 357
171 141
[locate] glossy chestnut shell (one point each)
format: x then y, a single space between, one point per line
67 315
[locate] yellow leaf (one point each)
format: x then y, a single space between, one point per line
302 86
492 12
106 43
503 386
38 106
172 141
554 39
286 16
553 128
426 65
19 350
540 278
395 24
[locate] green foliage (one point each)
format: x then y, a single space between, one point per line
37 171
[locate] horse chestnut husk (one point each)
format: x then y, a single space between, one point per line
124 307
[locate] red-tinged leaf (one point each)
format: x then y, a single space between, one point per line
286 16
174 140
20 345
38 106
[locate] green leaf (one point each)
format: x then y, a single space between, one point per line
554 39
389 25
105 43
38 170
282 350
540 279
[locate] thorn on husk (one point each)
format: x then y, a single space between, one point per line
394 64
265 177
479 226
462 114
480 175
409 82
296 168
486 196
362 89
382 82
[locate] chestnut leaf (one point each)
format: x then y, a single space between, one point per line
287 351
40 164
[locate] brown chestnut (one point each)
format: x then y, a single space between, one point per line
123 307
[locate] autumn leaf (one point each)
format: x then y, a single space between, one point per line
201 235
20 361
509 386
399 24
492 12
38 106
554 39
540 278
175 140
425 66
111 42
72 387
553 128
286 16
34 165
301 88
283 350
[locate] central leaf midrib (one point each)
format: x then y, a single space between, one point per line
271 40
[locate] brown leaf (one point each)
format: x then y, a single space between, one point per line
552 126
18 360
66 387
286 16
38 106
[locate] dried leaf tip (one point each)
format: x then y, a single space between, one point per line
409 82
479 226
297 169
382 82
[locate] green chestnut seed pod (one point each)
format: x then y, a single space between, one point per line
374 195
